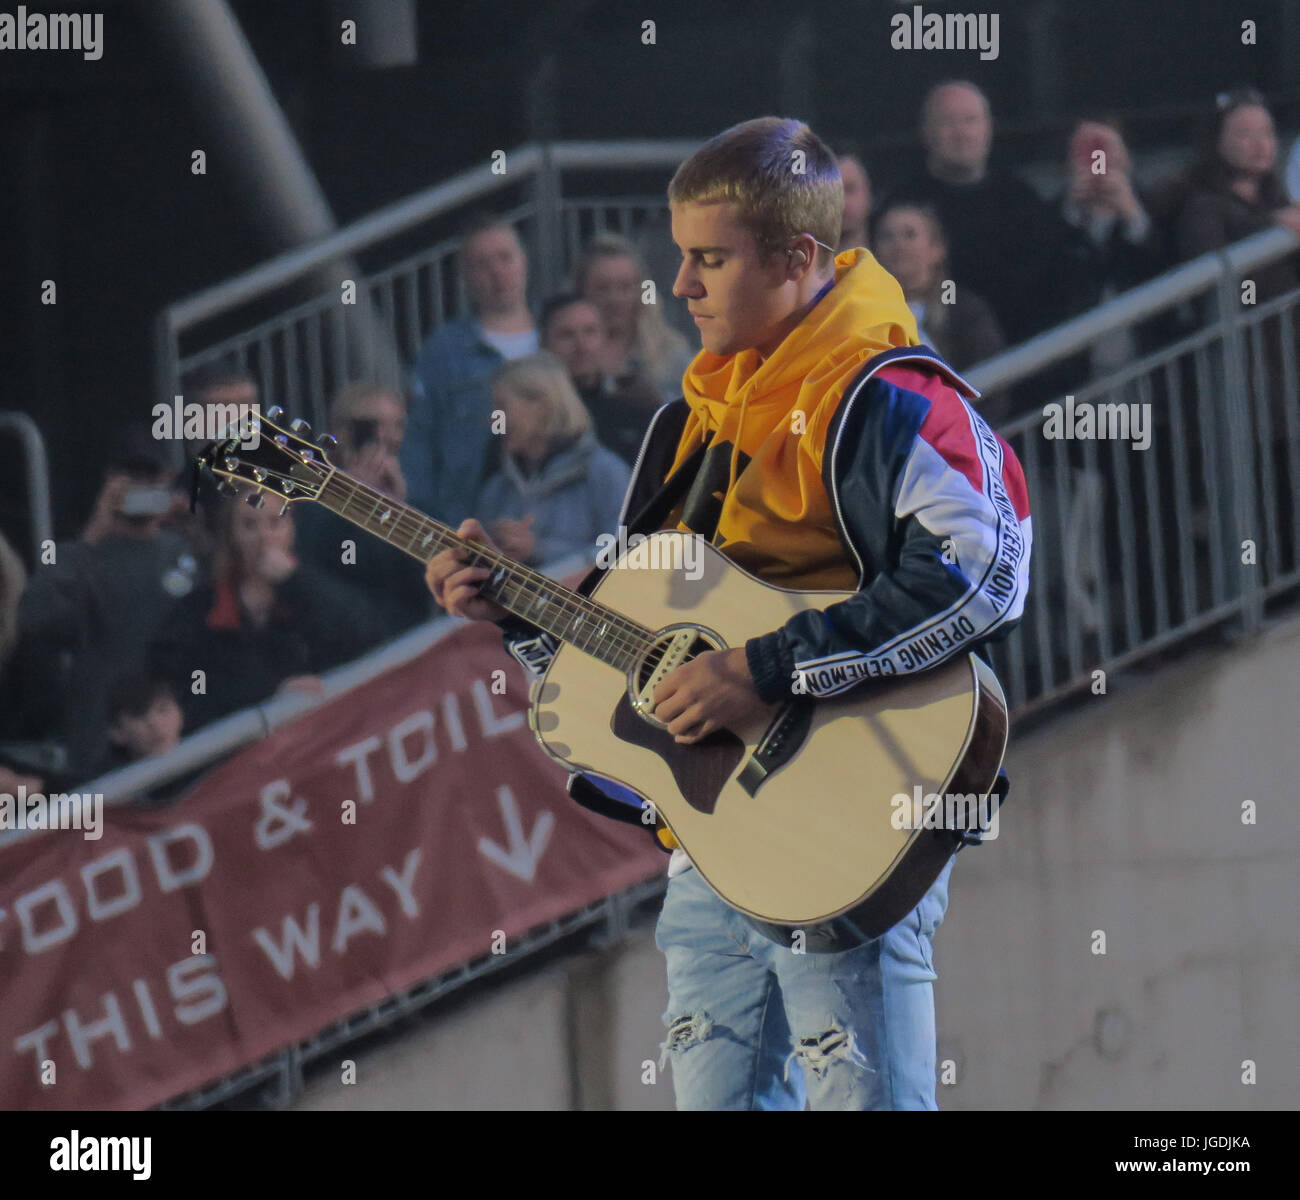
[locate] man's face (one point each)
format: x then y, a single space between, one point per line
857 193
611 284
496 271
957 130
389 417
223 406
576 334
737 302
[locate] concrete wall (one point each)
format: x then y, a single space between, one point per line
1124 820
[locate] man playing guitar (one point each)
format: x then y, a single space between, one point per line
834 452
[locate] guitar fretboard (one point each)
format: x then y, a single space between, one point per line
529 595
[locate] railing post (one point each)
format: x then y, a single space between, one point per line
1241 465
37 463
166 374
547 193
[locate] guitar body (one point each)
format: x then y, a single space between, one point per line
810 841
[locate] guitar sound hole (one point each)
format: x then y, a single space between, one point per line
649 664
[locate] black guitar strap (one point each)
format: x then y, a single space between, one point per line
655 509
670 491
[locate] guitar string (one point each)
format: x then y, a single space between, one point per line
524 576
631 639
627 636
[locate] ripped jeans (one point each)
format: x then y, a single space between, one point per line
743 1011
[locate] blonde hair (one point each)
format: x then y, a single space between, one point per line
658 346
781 176
544 375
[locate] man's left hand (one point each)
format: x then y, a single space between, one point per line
710 692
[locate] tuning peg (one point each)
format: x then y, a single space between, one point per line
226 488
256 500
298 425
230 462
327 441
274 413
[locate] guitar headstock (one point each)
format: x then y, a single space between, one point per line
270 459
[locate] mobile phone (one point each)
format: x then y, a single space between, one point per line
146 500
364 433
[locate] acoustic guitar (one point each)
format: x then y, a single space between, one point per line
824 821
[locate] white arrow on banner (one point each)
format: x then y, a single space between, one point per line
524 853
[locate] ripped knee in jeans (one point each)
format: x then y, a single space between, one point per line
684 1031
818 1053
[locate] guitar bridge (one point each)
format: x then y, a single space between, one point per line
779 745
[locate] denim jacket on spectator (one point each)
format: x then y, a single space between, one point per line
574 498
449 447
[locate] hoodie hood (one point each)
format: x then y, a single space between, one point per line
863 315
760 490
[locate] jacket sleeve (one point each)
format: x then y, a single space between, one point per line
529 646
933 505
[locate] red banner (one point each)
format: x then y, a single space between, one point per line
405 827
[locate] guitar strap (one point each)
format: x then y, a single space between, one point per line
670 491
655 509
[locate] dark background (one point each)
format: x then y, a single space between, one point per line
99 195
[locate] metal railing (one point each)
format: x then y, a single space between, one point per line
1136 549
36 479
301 348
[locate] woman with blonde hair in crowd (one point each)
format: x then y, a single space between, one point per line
557 489
610 273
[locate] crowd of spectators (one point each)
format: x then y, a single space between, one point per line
155 621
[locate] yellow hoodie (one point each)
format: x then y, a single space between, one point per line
759 493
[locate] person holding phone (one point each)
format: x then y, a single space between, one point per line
92 607
1114 246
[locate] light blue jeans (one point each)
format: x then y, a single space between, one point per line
752 1025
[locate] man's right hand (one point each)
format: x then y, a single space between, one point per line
455 585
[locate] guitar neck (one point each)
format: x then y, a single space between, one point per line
529 595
